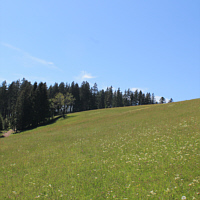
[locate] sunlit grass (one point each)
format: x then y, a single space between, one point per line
143 152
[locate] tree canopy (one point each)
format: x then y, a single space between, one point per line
24 105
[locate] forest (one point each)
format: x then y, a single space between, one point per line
24 105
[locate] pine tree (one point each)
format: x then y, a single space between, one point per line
136 98
153 101
170 101
94 91
148 98
162 100
101 99
119 98
115 99
55 89
23 112
35 105
1 122
4 100
61 88
13 93
75 91
108 97
85 95
140 98
43 102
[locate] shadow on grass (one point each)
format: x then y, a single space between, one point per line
49 122
52 121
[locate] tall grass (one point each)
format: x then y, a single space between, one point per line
142 152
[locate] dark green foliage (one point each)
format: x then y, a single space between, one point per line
162 100
100 99
4 99
23 110
1 122
23 105
75 91
85 96
108 97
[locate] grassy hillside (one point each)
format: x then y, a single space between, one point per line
142 152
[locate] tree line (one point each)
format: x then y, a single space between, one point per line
24 105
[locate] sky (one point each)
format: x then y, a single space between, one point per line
153 45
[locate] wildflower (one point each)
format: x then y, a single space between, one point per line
152 192
167 190
183 197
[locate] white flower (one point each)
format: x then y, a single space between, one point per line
183 197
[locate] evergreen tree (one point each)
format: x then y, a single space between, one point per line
170 101
136 98
13 93
153 101
50 92
140 98
115 99
162 100
23 112
125 99
94 92
119 98
101 99
85 95
43 102
1 122
55 89
61 88
75 91
3 100
108 97
143 99
148 98
35 105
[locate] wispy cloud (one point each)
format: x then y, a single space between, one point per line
84 76
32 58
11 47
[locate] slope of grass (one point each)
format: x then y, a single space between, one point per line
142 152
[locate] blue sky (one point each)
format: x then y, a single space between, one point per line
151 45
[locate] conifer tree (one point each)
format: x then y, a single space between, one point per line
85 95
101 99
162 100
140 98
3 100
1 122
23 112
75 91
119 98
61 88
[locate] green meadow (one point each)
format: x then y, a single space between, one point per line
138 152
